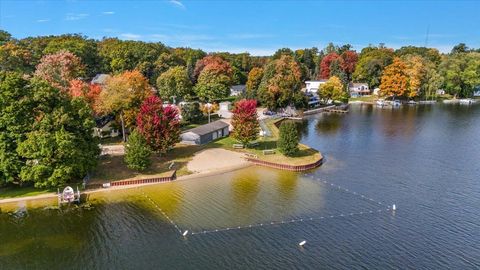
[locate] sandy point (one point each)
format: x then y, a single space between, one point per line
216 159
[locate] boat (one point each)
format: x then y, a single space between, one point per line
466 101
412 102
68 195
380 102
396 103
451 101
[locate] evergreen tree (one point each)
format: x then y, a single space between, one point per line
288 141
137 152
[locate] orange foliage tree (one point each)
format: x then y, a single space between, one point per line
90 92
394 79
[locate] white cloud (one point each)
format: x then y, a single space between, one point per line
130 36
43 20
108 12
177 3
76 16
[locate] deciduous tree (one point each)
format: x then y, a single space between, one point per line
244 121
325 64
333 90
371 63
59 69
90 92
394 79
254 79
175 83
159 125
123 94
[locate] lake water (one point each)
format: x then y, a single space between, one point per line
424 159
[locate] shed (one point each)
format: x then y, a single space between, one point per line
206 133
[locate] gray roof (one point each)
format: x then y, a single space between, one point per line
100 78
208 128
238 88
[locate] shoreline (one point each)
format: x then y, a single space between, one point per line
187 177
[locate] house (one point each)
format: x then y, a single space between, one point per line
206 133
100 79
313 86
440 92
238 90
104 127
224 110
358 89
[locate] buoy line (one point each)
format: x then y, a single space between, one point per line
287 221
332 185
163 213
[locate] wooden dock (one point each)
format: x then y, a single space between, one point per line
336 111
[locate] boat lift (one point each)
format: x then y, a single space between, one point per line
68 195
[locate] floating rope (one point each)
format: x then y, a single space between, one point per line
363 197
287 221
163 213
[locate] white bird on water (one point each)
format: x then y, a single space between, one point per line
185 233
302 243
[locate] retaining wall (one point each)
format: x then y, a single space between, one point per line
295 168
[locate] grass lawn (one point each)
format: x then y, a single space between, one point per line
370 98
14 192
305 155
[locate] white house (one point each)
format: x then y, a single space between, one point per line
313 86
358 89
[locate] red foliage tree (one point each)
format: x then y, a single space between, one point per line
348 63
59 69
244 121
325 65
159 125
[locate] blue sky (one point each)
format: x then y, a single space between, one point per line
259 27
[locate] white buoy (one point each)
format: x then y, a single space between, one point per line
394 207
185 233
302 243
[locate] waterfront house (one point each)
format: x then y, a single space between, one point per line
358 89
205 133
313 86
238 90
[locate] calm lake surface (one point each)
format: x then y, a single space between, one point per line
424 159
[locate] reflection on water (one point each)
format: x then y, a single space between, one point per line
423 158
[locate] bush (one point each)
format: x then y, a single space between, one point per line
288 141
137 152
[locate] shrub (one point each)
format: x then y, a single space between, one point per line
288 141
137 152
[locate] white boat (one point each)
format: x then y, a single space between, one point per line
68 195
412 102
396 103
466 101
380 102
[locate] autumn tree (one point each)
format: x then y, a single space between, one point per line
160 126
254 79
14 57
395 79
213 62
90 92
416 72
123 94
371 63
244 121
280 82
326 63
348 63
332 90
59 69
137 152
175 83
212 85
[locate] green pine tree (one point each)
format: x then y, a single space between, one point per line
288 141
137 152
